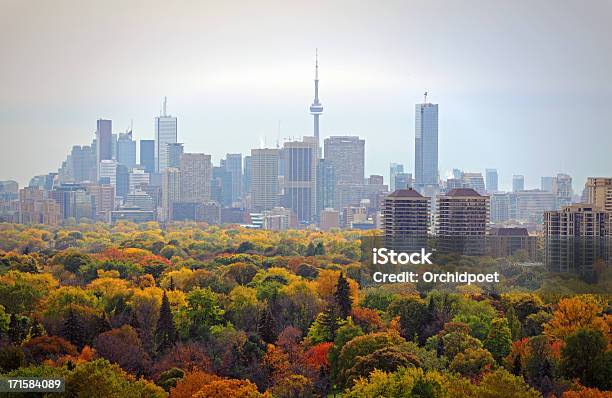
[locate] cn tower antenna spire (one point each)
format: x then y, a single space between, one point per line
316 109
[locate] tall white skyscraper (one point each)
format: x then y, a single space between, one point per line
165 133
426 144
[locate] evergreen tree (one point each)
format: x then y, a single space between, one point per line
514 324
17 328
72 329
171 284
266 327
330 322
165 334
343 297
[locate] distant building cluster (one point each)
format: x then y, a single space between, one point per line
300 184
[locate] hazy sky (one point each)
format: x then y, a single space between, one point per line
523 86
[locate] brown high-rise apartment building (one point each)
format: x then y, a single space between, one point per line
599 192
405 220
463 217
575 237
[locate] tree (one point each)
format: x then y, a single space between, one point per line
539 366
203 312
169 378
42 348
406 382
387 359
123 346
362 346
501 384
73 330
514 324
499 339
472 362
11 358
576 313
414 315
165 334
101 379
230 388
584 357
293 386
188 357
342 296
324 327
191 383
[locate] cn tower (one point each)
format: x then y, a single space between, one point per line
316 109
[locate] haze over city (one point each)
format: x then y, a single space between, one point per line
523 88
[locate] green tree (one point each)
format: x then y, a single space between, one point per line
343 296
414 315
203 312
514 324
583 355
165 334
472 362
499 339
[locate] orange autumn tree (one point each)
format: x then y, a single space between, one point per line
575 313
327 281
191 383
230 388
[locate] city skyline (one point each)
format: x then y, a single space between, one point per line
525 108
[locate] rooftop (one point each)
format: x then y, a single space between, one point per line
462 192
404 193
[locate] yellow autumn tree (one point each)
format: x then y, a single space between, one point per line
575 313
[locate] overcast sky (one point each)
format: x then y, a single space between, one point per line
522 86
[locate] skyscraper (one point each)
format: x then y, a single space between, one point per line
196 176
104 142
246 175
326 183
492 180
562 187
347 156
165 133
426 145
300 185
316 108
394 169
264 179
171 191
233 164
126 150
221 188
546 184
518 183
147 155
474 181
403 181
173 152
108 172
